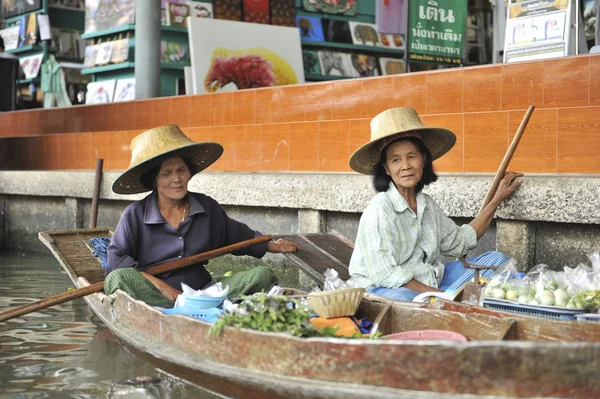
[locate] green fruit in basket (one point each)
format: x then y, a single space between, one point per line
547 298
533 301
498 293
561 298
524 299
511 295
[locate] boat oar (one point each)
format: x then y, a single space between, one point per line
99 286
475 288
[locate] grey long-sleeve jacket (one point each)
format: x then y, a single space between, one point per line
143 238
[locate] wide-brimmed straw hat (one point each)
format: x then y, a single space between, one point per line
396 123
154 146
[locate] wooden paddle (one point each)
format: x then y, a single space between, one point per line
507 158
99 286
470 289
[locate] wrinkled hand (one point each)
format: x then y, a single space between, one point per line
508 185
282 246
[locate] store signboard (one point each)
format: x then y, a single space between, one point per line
436 31
537 30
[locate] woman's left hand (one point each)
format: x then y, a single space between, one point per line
508 185
282 246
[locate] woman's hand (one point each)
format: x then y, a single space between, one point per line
507 186
282 246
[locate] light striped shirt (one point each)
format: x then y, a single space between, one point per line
395 245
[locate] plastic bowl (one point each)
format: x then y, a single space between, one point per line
203 302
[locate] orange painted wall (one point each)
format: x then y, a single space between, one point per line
315 127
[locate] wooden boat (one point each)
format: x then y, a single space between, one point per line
507 355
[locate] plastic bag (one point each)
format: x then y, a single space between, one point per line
505 283
333 281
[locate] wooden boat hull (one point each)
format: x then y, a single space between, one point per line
251 364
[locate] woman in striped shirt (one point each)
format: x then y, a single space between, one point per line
403 233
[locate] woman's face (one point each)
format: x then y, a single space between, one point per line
172 179
404 164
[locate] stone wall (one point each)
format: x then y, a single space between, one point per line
551 219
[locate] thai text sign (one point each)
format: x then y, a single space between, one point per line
436 30
537 30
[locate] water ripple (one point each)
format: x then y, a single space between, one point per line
65 350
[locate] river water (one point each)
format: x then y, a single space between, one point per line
65 351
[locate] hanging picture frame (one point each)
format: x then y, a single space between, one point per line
257 11
104 53
340 7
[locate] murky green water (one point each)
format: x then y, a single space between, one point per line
66 351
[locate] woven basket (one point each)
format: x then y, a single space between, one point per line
338 303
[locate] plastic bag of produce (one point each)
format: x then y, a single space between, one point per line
547 287
505 283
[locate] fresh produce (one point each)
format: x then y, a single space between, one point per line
276 313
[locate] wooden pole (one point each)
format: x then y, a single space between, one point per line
96 195
99 286
507 158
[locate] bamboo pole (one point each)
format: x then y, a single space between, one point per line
96 195
99 286
507 158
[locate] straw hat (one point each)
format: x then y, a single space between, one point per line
155 145
393 124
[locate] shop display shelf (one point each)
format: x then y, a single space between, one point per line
106 68
27 81
110 31
313 77
26 49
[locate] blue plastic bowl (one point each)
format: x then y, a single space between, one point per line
203 302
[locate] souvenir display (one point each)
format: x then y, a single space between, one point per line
391 66
120 52
105 14
28 30
201 10
344 7
283 13
104 53
310 60
364 65
228 9
11 8
174 53
11 37
100 92
31 65
177 14
310 28
335 63
364 34
89 59
257 11
337 31
125 90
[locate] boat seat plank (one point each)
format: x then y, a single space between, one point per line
319 252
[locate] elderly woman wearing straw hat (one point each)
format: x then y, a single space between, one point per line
403 232
172 223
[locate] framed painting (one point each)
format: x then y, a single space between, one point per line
255 56
391 66
310 28
125 90
104 14
12 8
230 10
364 34
335 64
100 92
311 62
257 11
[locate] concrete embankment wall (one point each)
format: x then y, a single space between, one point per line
551 219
